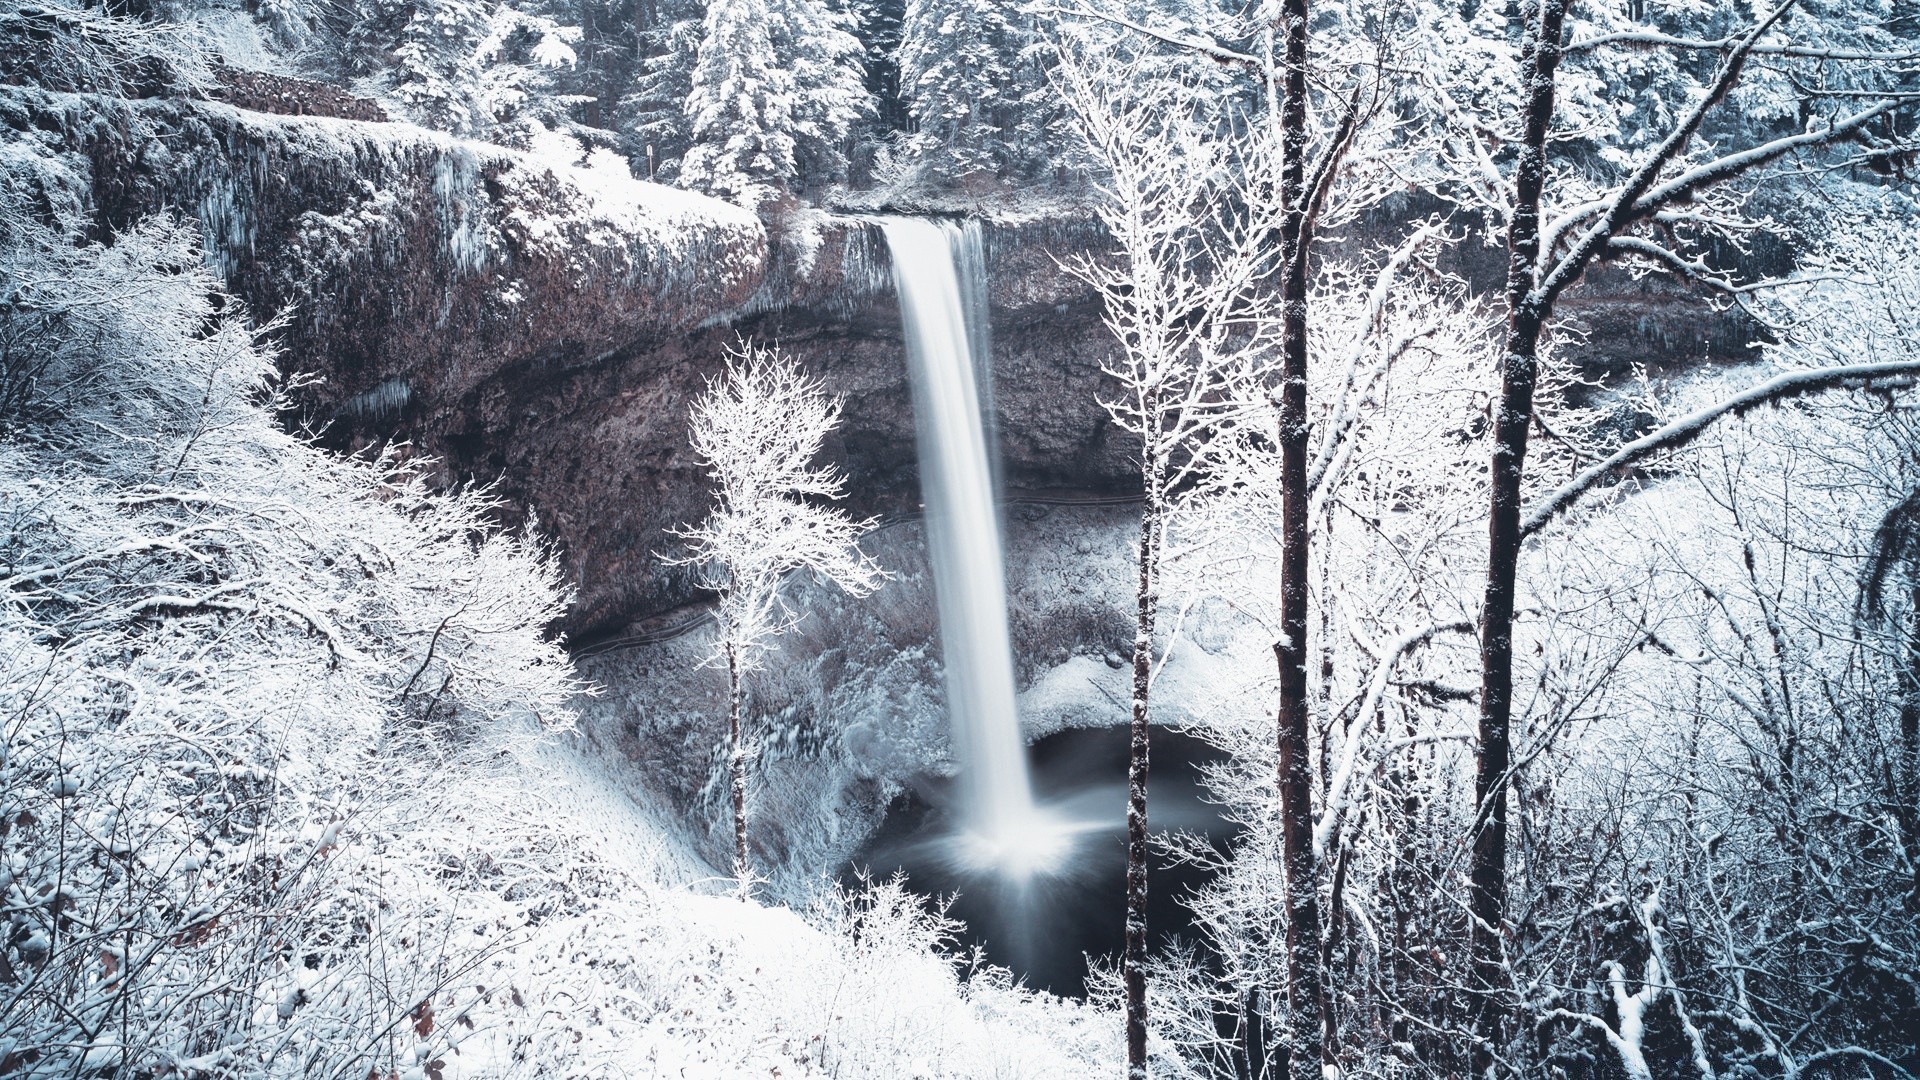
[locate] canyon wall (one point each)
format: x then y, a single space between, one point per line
544 328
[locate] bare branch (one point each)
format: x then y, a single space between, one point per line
1690 427
1803 52
1190 42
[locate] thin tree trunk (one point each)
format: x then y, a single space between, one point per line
1402 887
1519 374
1311 1036
1135 959
737 767
1907 782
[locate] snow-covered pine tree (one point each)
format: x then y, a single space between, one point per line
739 109
653 117
879 27
957 63
426 54
776 86
816 42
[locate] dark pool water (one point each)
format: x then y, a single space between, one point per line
1045 928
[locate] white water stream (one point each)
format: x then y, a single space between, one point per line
940 275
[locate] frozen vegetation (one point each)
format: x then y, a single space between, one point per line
289 788
1567 707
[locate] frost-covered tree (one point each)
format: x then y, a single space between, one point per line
775 87
758 429
1316 137
426 56
816 41
1190 329
1739 811
960 68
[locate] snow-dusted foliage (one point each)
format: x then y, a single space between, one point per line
427 55
758 429
775 87
968 79
1718 724
81 49
224 654
739 108
652 108
957 74
861 985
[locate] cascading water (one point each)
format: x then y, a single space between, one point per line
939 273
1031 859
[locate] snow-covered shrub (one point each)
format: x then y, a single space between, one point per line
711 988
64 46
227 666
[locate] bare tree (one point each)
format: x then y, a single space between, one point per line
758 429
1633 219
1190 329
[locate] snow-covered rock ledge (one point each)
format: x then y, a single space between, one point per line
411 264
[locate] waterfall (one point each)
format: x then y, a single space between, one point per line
940 275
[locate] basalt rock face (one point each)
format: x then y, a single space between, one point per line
599 451
410 265
545 328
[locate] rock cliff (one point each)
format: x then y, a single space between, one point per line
544 327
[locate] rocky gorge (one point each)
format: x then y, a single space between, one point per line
543 327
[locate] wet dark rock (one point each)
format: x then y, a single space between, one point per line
268 93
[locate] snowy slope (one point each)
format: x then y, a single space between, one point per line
290 783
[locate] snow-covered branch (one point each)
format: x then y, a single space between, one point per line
1335 805
1684 430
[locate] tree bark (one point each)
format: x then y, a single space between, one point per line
1135 958
737 768
1519 373
1311 1041
1907 783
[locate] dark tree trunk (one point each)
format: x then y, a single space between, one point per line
1519 372
1312 1032
737 769
1134 972
1402 886
1907 783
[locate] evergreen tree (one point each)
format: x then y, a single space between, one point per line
653 115
740 108
777 90
426 55
815 41
957 65
880 30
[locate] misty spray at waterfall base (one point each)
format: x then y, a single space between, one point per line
1031 852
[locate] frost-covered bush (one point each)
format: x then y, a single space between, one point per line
74 48
227 665
717 988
